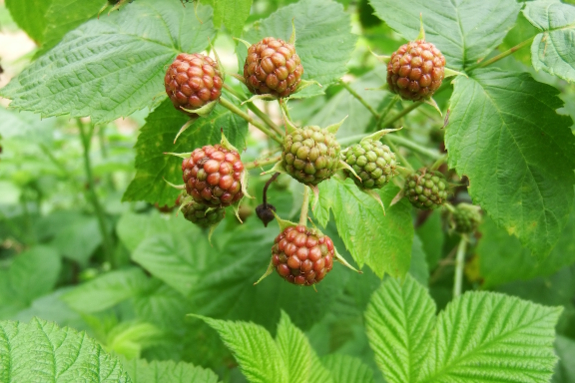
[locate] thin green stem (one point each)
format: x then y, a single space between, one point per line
399 115
304 207
234 109
86 137
459 265
48 153
283 106
502 55
440 161
397 152
264 162
263 116
387 109
409 144
360 99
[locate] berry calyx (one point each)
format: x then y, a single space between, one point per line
426 189
416 70
310 154
302 256
465 218
272 67
202 215
213 176
192 81
372 161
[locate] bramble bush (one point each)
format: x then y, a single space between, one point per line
277 191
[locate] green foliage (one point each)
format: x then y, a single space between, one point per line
551 50
30 16
500 119
476 338
41 351
142 371
32 274
90 236
464 32
360 220
92 62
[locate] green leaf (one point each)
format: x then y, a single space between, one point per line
505 135
25 125
107 290
301 361
432 238
552 50
142 371
347 369
51 307
134 228
502 259
79 238
40 351
114 66
399 320
65 15
343 105
485 337
465 31
30 15
480 337
232 13
360 222
157 137
173 259
255 350
131 337
324 41
289 359
32 274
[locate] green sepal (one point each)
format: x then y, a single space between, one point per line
268 271
292 37
383 87
289 126
305 84
377 135
335 127
383 58
263 97
179 187
179 155
342 260
398 197
283 223
220 68
421 35
189 123
447 72
248 45
433 103
277 168
345 165
225 143
375 195
204 110
239 78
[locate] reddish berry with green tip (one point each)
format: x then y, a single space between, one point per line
310 154
202 215
272 67
192 81
416 70
426 189
373 162
302 256
213 176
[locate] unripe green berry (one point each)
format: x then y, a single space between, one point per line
426 189
373 162
310 155
203 215
466 218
